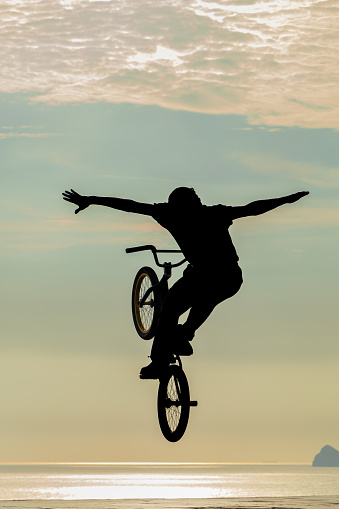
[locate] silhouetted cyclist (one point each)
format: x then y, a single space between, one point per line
202 234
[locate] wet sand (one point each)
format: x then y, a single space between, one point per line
321 502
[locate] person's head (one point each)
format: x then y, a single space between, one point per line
183 197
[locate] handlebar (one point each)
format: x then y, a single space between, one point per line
154 250
140 248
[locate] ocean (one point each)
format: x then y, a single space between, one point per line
137 485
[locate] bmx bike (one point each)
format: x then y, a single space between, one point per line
148 295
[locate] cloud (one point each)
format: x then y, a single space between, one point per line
300 217
70 225
26 135
24 131
59 233
274 61
310 174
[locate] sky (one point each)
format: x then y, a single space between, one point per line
237 98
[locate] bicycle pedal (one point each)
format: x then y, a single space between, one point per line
148 377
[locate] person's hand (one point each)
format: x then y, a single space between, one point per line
296 196
81 201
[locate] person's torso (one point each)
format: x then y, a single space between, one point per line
202 234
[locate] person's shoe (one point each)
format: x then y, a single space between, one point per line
153 371
183 347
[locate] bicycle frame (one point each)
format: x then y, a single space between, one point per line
174 400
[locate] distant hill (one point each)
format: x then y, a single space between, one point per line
327 457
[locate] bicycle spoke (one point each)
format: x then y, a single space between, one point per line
173 412
146 316
173 403
146 312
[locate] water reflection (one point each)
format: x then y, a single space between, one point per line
137 487
170 482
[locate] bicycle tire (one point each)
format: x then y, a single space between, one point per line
173 403
146 318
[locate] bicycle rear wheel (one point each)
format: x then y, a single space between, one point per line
146 318
173 403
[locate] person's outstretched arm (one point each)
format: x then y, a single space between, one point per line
115 203
261 206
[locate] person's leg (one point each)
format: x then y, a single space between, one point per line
191 291
207 296
178 301
197 316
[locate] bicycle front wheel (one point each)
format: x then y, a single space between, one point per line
146 317
173 403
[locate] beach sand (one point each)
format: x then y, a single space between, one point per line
320 502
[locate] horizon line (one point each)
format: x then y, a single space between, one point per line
152 463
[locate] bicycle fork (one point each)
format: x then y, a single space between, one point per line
165 278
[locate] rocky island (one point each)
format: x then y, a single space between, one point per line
327 457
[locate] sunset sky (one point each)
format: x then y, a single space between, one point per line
236 98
